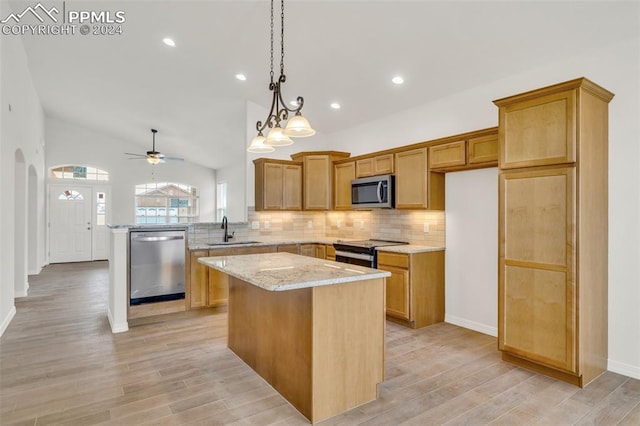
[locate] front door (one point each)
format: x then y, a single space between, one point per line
70 223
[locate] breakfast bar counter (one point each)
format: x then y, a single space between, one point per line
312 328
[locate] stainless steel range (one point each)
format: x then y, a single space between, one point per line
362 252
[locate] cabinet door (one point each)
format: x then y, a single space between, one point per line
383 164
397 292
364 167
343 175
536 285
321 251
292 198
289 248
331 252
411 179
317 182
273 184
447 155
199 280
539 131
483 149
218 288
308 250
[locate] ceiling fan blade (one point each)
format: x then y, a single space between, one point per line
137 158
137 155
173 158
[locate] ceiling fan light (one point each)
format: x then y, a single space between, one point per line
151 159
298 127
258 146
276 137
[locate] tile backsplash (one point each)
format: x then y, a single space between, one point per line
396 225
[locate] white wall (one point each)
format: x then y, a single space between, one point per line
70 143
22 132
615 67
471 239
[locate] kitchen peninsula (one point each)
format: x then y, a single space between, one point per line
312 328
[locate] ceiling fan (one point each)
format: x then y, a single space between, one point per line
153 157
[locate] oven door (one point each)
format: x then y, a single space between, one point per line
360 259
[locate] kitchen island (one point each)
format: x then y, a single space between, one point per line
312 328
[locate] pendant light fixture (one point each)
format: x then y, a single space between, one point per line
297 126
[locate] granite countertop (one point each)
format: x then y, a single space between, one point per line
269 241
286 271
410 248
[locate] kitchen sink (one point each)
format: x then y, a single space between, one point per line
231 243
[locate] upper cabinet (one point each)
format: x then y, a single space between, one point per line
467 151
416 186
278 184
344 173
317 178
374 166
538 131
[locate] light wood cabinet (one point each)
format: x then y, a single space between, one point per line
552 279
483 149
374 166
289 248
278 184
416 186
317 178
198 279
208 287
446 155
344 173
415 289
313 250
330 252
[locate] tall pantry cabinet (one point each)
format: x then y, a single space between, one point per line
553 213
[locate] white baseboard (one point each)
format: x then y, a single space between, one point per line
24 293
5 322
624 369
117 328
35 271
472 325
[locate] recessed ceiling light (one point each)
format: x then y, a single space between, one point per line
241 77
169 42
335 105
397 80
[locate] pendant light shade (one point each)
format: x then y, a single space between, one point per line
298 127
276 137
258 145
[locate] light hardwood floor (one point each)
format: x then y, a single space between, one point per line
60 364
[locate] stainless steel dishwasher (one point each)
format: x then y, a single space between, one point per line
156 265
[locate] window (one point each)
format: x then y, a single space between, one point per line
70 195
79 173
101 210
221 200
166 203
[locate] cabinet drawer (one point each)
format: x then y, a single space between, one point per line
393 259
447 155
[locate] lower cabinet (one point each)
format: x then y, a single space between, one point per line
314 250
208 287
415 289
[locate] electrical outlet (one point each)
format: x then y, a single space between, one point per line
309 224
266 224
339 224
426 227
362 224
255 225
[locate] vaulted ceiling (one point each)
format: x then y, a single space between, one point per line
335 51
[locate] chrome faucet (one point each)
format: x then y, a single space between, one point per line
225 226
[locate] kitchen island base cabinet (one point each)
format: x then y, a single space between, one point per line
321 347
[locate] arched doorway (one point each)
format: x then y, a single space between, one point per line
21 283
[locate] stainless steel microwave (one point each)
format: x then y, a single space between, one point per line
373 192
